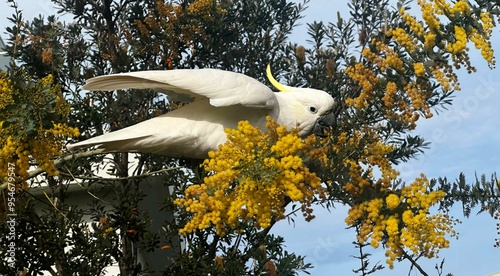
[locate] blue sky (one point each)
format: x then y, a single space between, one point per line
464 139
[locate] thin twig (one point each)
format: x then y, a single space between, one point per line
414 263
70 157
54 205
123 178
57 162
80 184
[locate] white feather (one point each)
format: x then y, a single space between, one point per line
190 131
220 100
223 88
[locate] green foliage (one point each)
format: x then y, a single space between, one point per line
33 105
105 37
59 238
481 193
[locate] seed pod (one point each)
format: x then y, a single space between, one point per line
300 53
330 68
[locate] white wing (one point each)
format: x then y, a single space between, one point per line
221 100
223 88
190 131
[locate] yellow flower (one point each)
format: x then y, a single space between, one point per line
392 201
410 227
430 40
403 38
414 25
40 144
419 69
389 98
250 177
460 43
460 7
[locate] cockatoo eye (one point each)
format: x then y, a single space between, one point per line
313 109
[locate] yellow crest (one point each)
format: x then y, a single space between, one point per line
274 82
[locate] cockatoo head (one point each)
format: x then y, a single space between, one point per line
308 109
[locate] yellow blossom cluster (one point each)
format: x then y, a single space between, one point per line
418 99
419 69
206 9
429 15
410 53
412 23
403 38
389 98
482 40
382 56
360 168
400 74
367 80
460 8
429 41
22 147
445 77
403 100
5 92
398 218
401 221
460 43
252 177
479 33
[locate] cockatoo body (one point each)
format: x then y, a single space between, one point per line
219 99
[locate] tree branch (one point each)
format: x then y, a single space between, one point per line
123 178
414 262
57 162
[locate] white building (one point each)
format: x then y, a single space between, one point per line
155 191
4 59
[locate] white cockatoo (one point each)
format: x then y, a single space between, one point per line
219 99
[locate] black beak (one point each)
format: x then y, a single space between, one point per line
324 123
